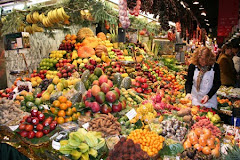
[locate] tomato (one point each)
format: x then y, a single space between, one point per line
46 131
47 121
39 134
24 134
31 134
29 127
41 117
53 126
22 126
34 113
39 127
35 121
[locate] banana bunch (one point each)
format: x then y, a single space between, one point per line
33 18
29 29
20 29
55 16
36 28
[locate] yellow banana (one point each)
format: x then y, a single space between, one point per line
36 16
41 16
29 20
64 13
32 19
59 14
55 16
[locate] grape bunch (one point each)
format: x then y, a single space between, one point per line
23 87
44 84
11 95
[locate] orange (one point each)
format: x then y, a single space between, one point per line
62 99
193 138
74 117
206 150
210 143
63 106
198 131
202 141
69 104
69 119
69 112
198 147
54 110
60 120
61 113
187 144
74 109
56 103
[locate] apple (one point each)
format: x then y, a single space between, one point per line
117 107
34 113
88 104
35 121
95 107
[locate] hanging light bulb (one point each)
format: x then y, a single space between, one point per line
195 2
204 13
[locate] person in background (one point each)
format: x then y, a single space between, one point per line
203 79
219 52
236 61
228 73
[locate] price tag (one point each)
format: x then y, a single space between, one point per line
85 126
131 114
13 128
46 107
56 145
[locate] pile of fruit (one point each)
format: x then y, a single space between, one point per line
205 123
82 144
36 125
140 85
150 141
204 141
64 110
47 63
126 149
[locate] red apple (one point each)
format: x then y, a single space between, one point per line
95 107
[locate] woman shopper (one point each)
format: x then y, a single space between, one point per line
228 73
203 79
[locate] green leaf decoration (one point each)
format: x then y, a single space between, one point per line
171 150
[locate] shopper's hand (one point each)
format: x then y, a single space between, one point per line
205 99
189 96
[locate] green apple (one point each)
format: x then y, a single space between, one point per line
209 115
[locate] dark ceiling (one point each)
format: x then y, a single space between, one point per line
211 9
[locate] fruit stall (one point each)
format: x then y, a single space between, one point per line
96 98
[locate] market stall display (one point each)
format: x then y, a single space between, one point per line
94 98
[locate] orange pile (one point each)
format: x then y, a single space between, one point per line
222 101
150 141
203 140
64 110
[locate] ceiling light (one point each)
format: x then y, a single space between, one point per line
207 24
201 7
206 20
203 13
195 2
